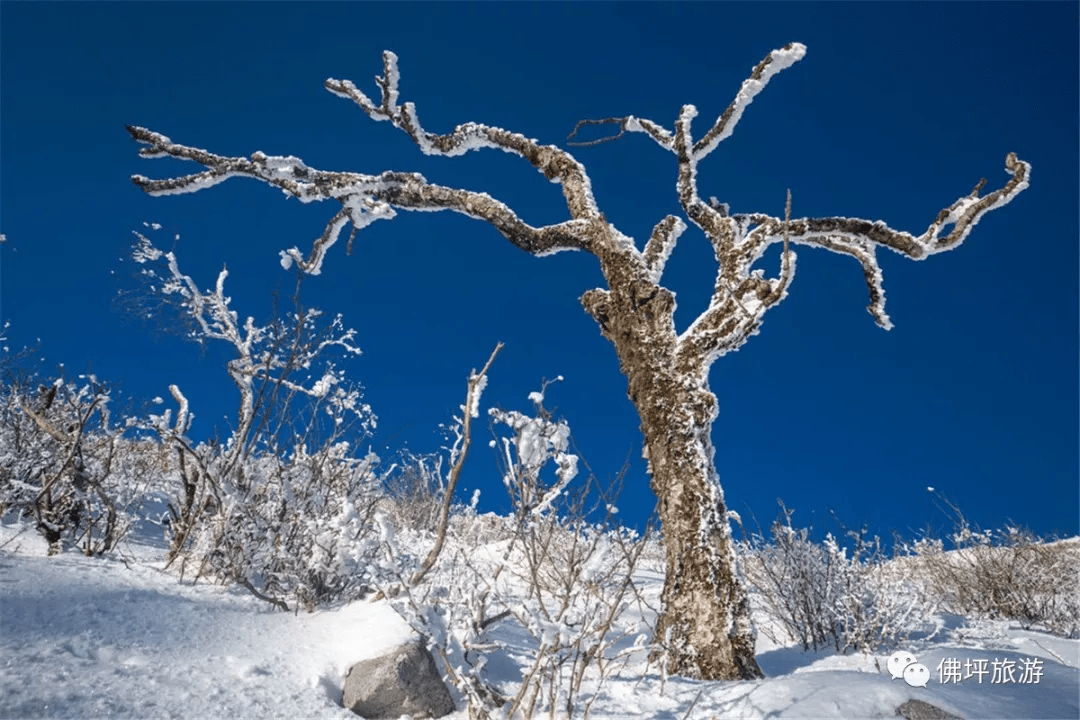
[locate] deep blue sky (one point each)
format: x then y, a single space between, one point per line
897 110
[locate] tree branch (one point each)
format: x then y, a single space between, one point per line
477 381
860 238
740 296
364 198
716 331
763 72
604 121
760 76
661 243
555 163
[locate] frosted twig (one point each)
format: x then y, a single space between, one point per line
472 398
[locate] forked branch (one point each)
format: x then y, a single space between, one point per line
861 238
556 164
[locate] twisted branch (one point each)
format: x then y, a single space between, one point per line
604 121
363 198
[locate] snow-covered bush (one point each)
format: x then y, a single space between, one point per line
558 591
295 528
470 528
284 506
821 596
64 464
416 489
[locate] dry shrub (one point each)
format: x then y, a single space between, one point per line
1006 575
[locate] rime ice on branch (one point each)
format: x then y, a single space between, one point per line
705 619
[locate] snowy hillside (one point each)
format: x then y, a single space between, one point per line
117 637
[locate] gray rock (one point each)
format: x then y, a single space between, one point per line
404 681
919 710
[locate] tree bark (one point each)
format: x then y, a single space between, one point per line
705 625
706 607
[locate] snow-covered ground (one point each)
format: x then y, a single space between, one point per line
117 637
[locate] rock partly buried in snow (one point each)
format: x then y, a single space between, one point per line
404 681
919 710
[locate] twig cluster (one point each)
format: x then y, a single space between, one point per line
820 596
1008 574
556 587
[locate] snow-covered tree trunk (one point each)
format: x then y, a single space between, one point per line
705 615
706 623
705 604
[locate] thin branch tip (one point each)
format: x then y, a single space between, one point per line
605 121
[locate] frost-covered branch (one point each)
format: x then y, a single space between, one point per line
847 236
661 243
556 164
470 410
741 295
363 198
263 353
721 130
860 238
774 62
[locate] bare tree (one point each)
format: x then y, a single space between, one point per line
705 620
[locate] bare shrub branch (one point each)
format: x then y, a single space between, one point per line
821 596
469 410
